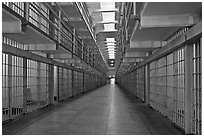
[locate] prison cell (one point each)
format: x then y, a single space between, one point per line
12 86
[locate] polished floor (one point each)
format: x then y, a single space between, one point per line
108 110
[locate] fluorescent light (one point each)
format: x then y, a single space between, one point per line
110 43
110 39
111 49
108 16
109 26
107 5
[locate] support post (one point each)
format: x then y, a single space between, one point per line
147 84
83 82
188 87
51 83
72 83
26 9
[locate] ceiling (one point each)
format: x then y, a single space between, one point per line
104 16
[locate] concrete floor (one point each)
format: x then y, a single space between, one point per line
106 110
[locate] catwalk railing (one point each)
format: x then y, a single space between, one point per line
50 19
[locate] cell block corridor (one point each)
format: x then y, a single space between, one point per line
101 68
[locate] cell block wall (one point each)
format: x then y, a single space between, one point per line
37 85
167 90
140 79
135 82
167 86
196 89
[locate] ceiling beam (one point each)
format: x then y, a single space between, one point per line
166 21
133 60
145 44
136 54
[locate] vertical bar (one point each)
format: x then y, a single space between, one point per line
58 83
25 89
188 86
73 42
10 84
200 87
60 26
82 50
166 104
51 26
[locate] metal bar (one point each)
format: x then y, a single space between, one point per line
10 84
38 85
25 89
